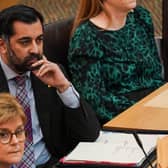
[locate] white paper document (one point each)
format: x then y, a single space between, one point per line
114 148
99 152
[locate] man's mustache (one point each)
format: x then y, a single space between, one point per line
29 58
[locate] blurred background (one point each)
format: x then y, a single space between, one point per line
53 10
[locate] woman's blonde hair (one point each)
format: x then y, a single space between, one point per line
86 10
10 108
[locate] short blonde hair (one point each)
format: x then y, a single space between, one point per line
10 108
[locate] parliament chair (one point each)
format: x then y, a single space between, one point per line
56 41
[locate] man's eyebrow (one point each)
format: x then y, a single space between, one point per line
41 36
24 38
29 38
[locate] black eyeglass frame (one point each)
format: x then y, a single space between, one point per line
6 135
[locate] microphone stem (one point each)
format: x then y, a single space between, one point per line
139 142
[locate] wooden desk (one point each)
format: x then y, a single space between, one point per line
144 116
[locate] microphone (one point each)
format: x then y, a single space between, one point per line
142 148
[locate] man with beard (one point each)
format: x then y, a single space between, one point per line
59 118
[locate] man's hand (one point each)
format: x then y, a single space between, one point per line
51 74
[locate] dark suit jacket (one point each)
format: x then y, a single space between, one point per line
62 127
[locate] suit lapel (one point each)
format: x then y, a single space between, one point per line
42 102
42 99
3 82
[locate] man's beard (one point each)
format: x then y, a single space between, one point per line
25 65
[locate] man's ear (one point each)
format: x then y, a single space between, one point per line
3 47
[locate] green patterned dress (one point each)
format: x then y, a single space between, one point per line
114 69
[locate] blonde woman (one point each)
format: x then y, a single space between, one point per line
113 57
12 133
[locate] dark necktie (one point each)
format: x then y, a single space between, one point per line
22 96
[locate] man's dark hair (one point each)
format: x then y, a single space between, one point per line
14 13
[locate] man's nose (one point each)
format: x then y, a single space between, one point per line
35 48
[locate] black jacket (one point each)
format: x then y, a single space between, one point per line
62 127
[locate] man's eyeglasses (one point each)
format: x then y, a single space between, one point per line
6 135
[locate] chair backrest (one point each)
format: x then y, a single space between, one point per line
56 41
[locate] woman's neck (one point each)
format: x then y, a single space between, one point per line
112 19
114 22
